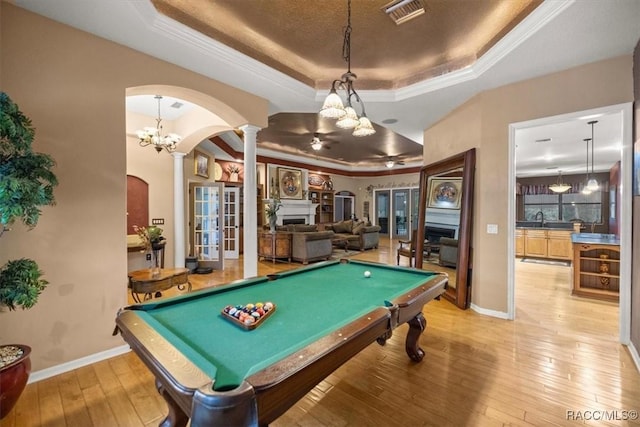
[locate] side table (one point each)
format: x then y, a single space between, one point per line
143 282
274 245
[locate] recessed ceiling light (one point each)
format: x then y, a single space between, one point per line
390 121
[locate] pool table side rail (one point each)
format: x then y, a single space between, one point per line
412 302
176 372
279 386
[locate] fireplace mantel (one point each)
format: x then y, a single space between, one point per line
296 209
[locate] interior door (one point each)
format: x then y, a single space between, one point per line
206 223
231 222
401 213
382 208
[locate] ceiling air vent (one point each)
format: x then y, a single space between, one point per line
177 105
403 10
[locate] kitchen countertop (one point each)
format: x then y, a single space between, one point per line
547 225
595 239
519 227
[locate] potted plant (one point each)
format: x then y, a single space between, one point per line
233 170
271 209
26 184
153 242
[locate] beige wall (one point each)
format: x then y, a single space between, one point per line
73 86
635 268
483 122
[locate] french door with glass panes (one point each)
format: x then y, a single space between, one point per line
231 222
382 208
401 207
206 223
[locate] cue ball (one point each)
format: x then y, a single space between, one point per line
367 274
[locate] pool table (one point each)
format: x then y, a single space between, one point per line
216 372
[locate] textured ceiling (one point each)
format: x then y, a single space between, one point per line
303 39
556 36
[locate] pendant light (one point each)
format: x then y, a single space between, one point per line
559 186
592 183
153 135
586 189
333 107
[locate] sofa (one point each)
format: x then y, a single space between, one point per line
307 243
358 234
448 256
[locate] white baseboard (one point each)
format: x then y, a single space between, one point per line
492 313
634 355
78 363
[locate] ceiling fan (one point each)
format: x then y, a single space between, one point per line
391 161
318 143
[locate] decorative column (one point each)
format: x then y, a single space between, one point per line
179 253
250 219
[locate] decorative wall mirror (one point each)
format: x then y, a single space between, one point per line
446 210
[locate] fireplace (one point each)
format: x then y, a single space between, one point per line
433 235
296 210
287 221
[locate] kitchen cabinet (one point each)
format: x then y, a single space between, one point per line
543 243
535 243
559 244
520 242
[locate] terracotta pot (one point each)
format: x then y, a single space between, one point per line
13 379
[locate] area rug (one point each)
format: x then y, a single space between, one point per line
546 262
339 253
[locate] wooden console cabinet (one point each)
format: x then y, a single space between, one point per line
274 245
596 271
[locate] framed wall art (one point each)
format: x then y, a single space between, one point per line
290 183
200 164
444 193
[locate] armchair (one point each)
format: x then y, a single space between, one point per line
448 252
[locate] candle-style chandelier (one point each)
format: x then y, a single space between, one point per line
333 106
153 135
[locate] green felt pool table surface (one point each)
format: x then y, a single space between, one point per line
310 303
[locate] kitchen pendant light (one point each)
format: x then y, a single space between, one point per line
592 183
585 189
559 186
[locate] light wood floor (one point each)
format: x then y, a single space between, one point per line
560 354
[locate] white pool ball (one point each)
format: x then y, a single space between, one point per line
367 274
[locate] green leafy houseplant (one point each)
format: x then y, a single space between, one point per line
20 284
26 184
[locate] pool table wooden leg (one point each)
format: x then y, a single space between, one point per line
175 417
412 346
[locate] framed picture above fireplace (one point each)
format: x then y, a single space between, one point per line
444 193
290 183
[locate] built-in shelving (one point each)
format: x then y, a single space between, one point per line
596 271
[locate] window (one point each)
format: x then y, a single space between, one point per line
567 207
548 204
584 207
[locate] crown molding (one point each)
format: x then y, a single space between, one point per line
271 79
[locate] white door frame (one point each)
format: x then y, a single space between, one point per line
231 221
626 174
